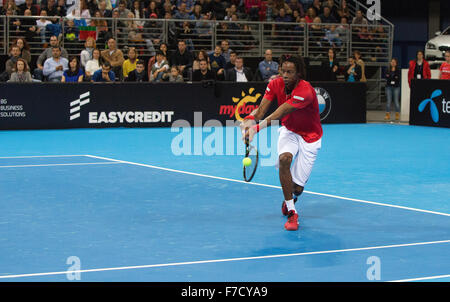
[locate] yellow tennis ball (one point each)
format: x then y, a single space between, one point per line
247 161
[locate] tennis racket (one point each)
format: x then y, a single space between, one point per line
252 153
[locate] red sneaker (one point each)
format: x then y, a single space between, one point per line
284 208
292 223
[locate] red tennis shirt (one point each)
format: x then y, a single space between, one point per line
445 70
305 121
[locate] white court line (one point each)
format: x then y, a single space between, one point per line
272 186
223 260
422 278
52 165
34 156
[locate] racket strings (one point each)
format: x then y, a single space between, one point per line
250 170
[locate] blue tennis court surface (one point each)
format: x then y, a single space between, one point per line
129 209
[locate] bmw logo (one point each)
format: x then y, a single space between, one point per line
324 102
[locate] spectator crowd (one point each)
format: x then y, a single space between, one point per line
178 59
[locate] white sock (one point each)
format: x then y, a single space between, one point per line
290 205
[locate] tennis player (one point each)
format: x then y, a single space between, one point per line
300 134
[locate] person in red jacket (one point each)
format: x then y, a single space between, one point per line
444 70
419 68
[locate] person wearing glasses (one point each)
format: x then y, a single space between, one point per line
445 67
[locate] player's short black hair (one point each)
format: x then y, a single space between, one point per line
297 61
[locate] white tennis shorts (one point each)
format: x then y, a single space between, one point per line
304 154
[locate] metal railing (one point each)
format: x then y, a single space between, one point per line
249 39
355 5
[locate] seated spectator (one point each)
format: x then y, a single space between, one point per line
333 9
419 68
86 54
197 12
42 27
203 73
160 67
310 15
61 8
11 63
174 76
122 9
278 75
270 10
317 7
189 5
202 55
229 12
55 66
114 57
231 64
295 5
359 18
330 66
138 13
281 4
81 13
29 26
326 17
74 73
130 63
182 58
105 74
343 28
47 53
226 50
218 8
239 73
217 62
203 28
316 32
343 10
252 8
153 9
165 50
21 73
353 71
103 33
24 49
92 65
268 67
105 12
139 74
183 13
283 17
332 37
28 5
71 32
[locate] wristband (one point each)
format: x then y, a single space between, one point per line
249 117
256 128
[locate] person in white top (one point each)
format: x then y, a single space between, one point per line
92 65
86 54
80 13
41 24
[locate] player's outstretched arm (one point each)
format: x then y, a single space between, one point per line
255 116
276 115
